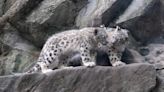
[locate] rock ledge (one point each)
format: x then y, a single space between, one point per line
130 78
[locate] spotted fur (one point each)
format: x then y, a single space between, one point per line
85 42
117 41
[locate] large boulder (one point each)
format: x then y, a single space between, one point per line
131 78
107 12
16 53
92 13
48 17
145 26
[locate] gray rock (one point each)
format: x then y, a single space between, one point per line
16 10
8 4
91 15
60 13
108 12
135 9
132 56
1 7
16 61
147 26
152 53
16 53
49 17
160 82
14 40
4 49
131 78
155 55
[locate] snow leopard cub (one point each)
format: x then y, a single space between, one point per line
84 42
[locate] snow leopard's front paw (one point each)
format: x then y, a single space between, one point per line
47 70
90 64
118 63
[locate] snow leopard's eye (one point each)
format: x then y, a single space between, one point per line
104 37
95 31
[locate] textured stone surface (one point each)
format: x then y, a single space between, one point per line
91 15
16 61
135 9
8 4
13 39
147 26
153 54
160 82
16 53
132 56
1 7
49 17
131 78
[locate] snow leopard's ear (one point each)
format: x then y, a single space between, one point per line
118 28
103 26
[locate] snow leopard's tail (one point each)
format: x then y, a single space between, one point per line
35 68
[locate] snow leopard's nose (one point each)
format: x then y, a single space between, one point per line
126 39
